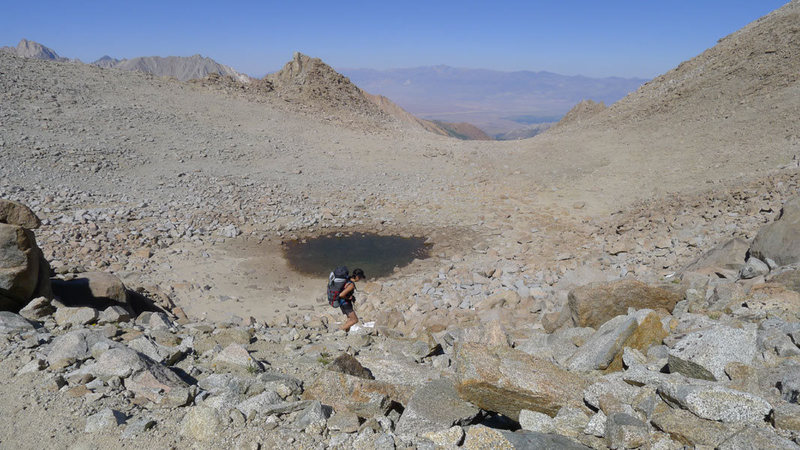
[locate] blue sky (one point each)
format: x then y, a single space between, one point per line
633 38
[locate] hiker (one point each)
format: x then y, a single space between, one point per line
347 298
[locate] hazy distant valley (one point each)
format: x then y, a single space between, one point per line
497 102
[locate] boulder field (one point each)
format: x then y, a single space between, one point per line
696 360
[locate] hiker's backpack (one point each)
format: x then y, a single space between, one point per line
336 281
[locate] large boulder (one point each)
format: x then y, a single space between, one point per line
760 437
97 290
688 429
704 353
24 273
716 402
780 240
434 407
363 397
14 213
729 256
144 377
596 303
76 346
507 380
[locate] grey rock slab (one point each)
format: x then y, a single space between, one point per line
716 402
536 421
11 323
727 256
37 309
450 438
599 350
236 356
570 421
786 416
201 423
762 438
613 385
75 346
314 412
223 401
559 345
399 371
103 420
142 376
689 429
506 380
147 347
218 383
284 385
136 427
120 362
531 440
286 407
705 353
344 421
789 384
114 314
433 407
752 268
597 425
780 240
625 431
259 403
154 321
75 316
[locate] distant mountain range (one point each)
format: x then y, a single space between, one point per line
181 67
495 101
504 105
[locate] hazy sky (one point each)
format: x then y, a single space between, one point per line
640 38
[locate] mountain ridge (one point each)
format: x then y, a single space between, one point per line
183 68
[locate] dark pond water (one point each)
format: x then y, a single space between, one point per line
377 255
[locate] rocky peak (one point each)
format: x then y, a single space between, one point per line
106 62
312 83
31 49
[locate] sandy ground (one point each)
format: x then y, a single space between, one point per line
241 276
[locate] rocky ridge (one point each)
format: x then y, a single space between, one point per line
702 122
183 68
